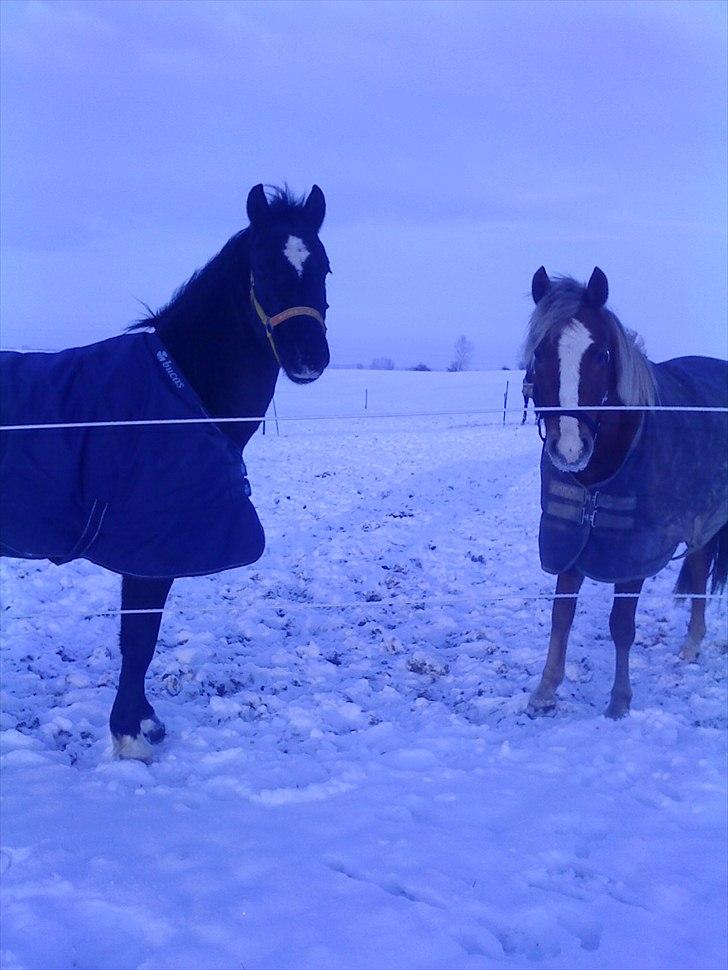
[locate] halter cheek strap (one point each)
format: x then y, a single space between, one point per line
270 322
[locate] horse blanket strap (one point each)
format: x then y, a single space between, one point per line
577 504
672 486
271 322
589 512
151 501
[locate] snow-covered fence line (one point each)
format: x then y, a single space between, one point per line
143 422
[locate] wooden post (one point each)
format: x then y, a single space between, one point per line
366 398
275 412
505 403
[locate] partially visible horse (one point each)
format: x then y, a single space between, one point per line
622 489
158 502
527 391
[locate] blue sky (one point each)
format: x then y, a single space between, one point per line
460 145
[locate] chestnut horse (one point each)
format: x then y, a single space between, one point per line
622 488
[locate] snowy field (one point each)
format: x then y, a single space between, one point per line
350 780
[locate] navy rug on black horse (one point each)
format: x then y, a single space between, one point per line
161 501
621 490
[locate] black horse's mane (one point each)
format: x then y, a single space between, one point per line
220 287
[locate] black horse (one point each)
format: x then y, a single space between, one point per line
158 501
621 489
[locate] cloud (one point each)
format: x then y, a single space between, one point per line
506 132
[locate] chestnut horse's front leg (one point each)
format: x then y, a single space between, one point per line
133 721
697 568
621 626
543 699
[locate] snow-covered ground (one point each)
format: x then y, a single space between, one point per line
350 780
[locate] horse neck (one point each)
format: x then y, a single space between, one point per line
617 432
209 331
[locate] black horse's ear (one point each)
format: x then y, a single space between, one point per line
540 284
597 289
257 205
315 207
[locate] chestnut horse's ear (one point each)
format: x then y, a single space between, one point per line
597 289
540 284
315 208
257 205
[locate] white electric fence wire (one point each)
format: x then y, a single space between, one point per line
505 594
146 422
422 604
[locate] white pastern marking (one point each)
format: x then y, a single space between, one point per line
296 253
573 343
132 748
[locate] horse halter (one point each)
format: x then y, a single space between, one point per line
592 424
270 322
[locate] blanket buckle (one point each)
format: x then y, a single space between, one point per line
589 510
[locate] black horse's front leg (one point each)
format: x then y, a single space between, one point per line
133 721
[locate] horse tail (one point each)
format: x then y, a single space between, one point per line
719 560
716 550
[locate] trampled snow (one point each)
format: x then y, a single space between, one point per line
350 779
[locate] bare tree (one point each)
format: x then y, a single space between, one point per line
382 363
464 350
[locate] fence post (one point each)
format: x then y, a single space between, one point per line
366 398
275 413
505 403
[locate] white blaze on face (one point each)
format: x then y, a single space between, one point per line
296 253
573 342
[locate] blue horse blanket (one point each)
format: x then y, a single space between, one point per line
149 501
672 487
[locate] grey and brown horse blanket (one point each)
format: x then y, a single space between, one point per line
149 501
672 487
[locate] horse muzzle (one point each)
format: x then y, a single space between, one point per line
304 375
570 442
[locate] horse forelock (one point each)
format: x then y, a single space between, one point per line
565 298
560 304
283 202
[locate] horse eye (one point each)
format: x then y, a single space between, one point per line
603 357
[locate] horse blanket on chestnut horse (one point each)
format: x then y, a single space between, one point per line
672 487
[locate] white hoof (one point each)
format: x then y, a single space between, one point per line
129 748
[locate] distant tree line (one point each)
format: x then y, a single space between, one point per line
462 359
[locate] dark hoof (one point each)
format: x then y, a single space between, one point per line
616 711
153 729
536 712
690 650
541 706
